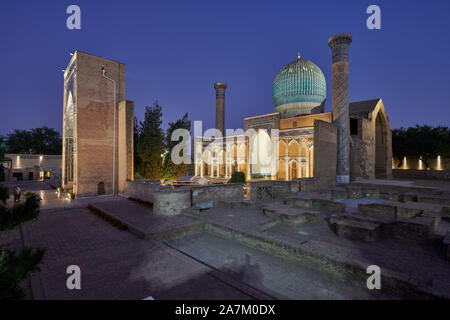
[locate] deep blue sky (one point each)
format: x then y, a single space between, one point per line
175 50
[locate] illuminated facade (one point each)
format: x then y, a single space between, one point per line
294 141
97 126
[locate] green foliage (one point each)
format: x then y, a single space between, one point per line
422 142
11 217
153 148
137 158
15 268
237 177
4 193
150 143
35 141
170 170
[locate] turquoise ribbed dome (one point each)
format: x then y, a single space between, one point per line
298 88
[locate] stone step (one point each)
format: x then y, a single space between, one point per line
317 203
290 215
355 217
378 210
393 210
357 230
338 193
436 199
413 229
234 203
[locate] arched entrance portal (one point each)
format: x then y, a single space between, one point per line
261 154
380 147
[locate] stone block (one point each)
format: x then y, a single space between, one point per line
356 230
404 211
370 192
216 192
334 218
437 199
377 210
324 204
355 192
339 193
410 197
416 229
172 202
230 204
301 203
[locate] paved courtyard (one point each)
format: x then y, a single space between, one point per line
219 253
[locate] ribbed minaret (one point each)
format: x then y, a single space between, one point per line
339 49
220 106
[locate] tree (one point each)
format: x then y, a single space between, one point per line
150 143
137 159
170 169
20 141
421 142
36 141
400 145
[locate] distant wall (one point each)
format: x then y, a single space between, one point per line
421 174
22 161
325 153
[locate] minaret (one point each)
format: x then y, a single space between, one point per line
339 50
220 106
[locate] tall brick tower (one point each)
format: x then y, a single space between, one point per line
97 127
339 45
220 106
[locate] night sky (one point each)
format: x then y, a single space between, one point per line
175 50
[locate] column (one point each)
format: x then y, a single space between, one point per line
339 45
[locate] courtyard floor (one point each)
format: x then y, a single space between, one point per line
193 257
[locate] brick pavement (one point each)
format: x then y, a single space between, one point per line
114 264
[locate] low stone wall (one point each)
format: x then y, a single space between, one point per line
171 202
145 190
307 184
421 174
141 190
215 192
273 189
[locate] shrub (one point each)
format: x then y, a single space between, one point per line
19 213
4 193
15 268
237 177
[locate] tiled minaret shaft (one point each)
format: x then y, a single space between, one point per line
339 48
220 106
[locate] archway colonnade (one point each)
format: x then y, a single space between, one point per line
295 159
